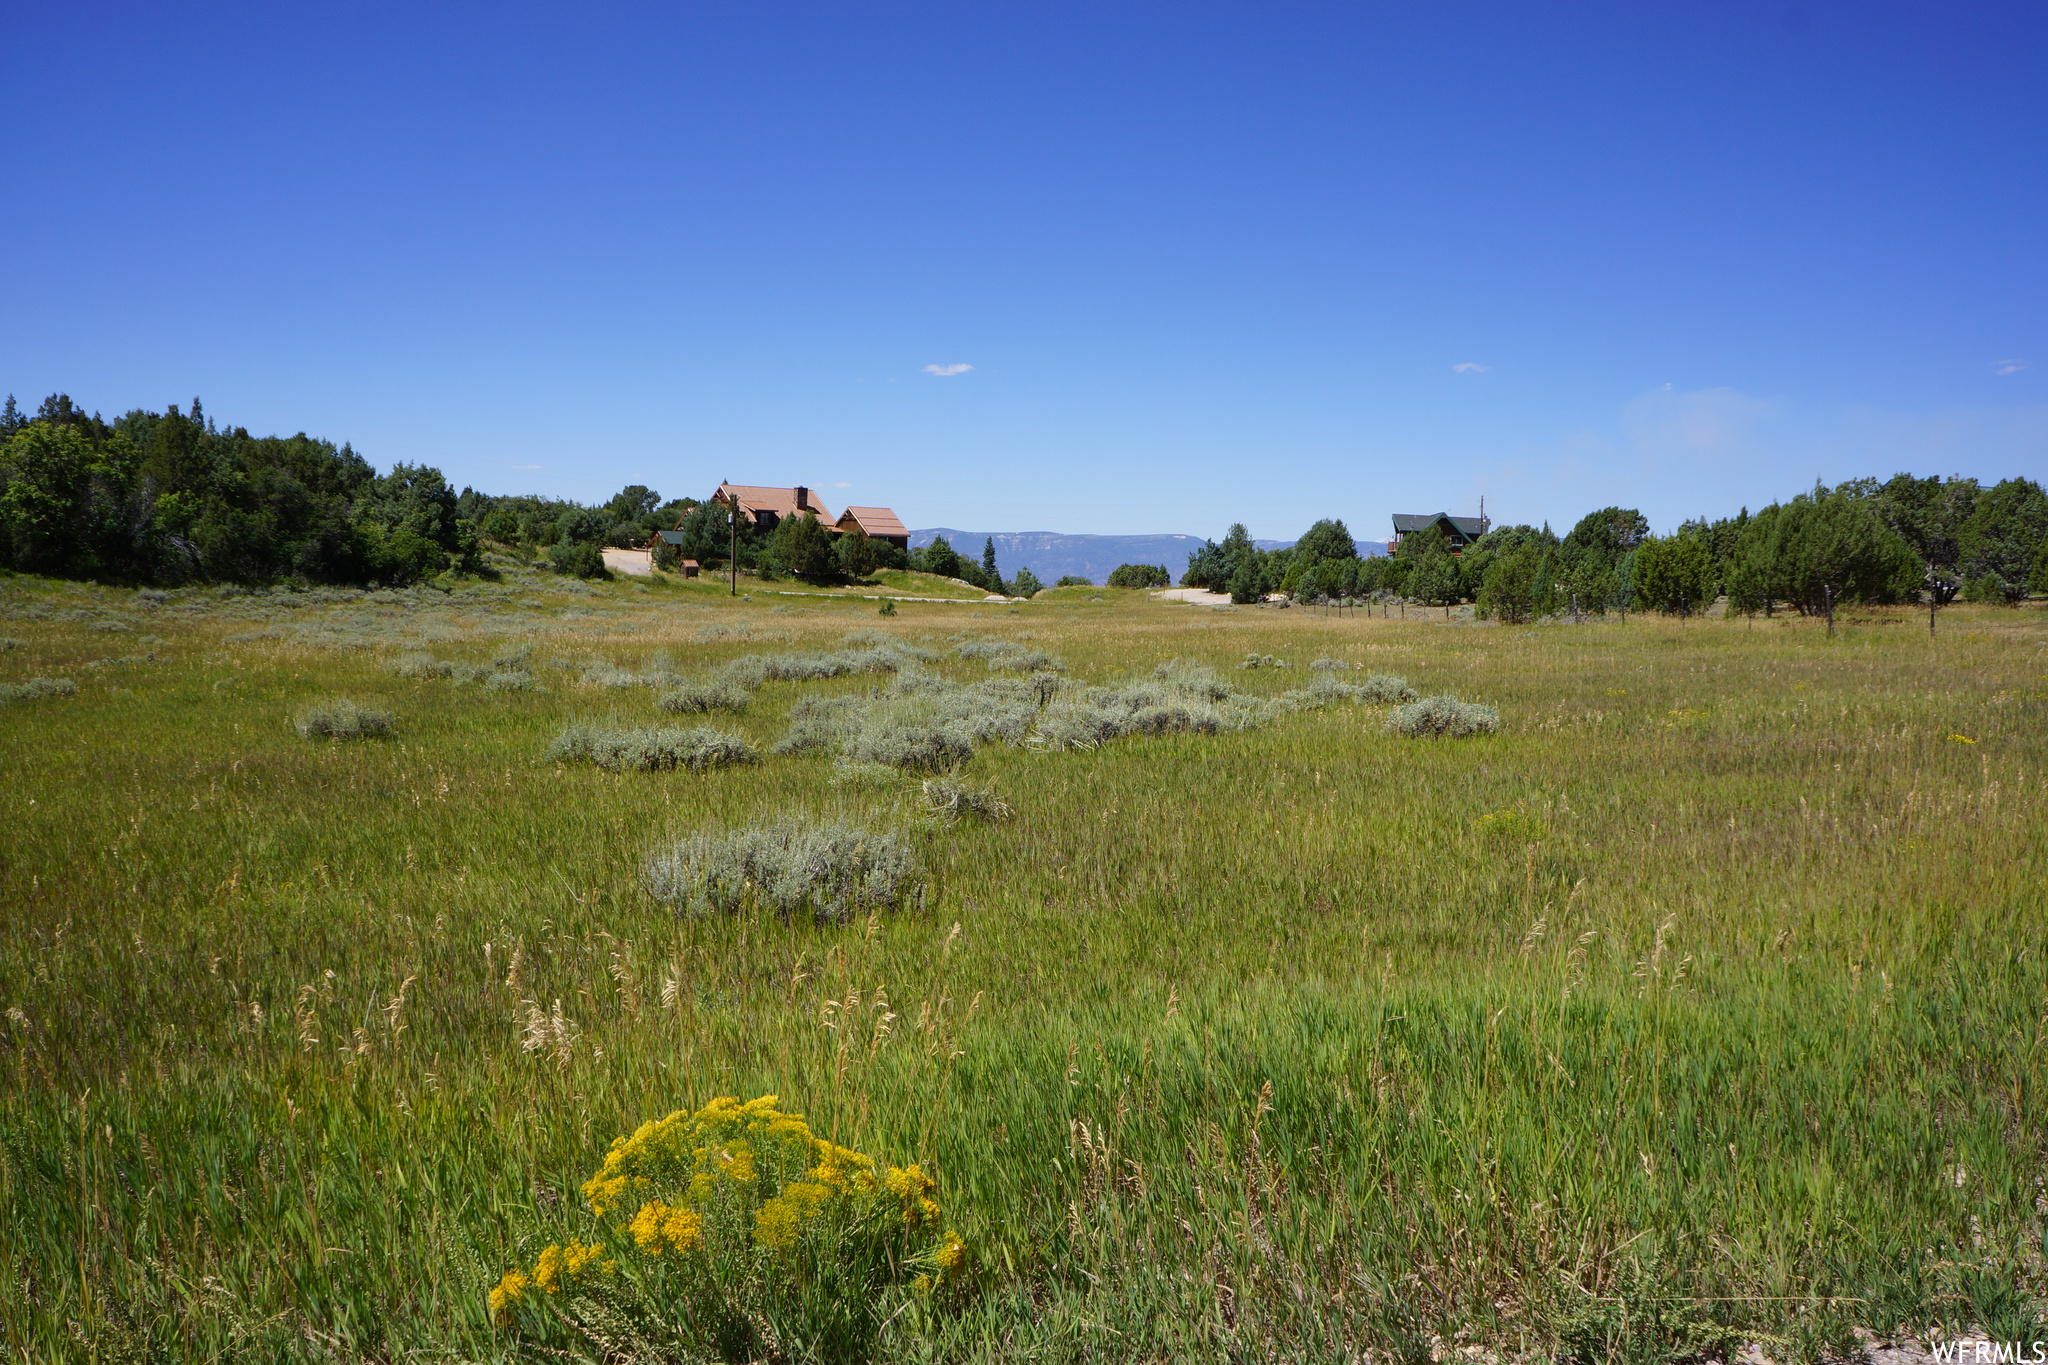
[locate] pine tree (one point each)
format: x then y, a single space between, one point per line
988 562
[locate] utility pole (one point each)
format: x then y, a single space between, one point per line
1827 598
732 508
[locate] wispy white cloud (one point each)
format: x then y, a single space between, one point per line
1470 367
526 466
947 371
2009 367
842 485
1665 424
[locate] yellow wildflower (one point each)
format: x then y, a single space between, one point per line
911 1185
505 1298
658 1227
781 1219
575 1256
952 1255
603 1194
547 1271
922 1284
559 1266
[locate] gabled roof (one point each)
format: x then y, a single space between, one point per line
780 502
1407 523
875 521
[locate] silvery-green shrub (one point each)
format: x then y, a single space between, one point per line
865 776
426 666
950 801
342 719
833 871
602 673
37 688
1386 689
620 749
718 694
1434 717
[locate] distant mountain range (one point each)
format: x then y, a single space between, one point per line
1052 556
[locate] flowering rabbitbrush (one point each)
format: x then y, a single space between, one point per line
735 1228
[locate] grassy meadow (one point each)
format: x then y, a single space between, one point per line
1705 1003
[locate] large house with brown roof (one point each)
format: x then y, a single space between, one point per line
767 507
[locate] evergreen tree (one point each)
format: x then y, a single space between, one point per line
1674 574
1139 576
804 547
1825 543
1998 544
1245 586
1508 589
855 553
1436 574
939 558
988 562
1326 540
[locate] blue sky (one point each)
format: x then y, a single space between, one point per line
1207 262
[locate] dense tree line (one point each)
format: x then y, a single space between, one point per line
173 497
1864 541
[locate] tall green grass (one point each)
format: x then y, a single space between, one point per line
1713 979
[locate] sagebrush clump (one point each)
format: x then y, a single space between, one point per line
1379 688
427 666
631 749
342 719
1179 698
832 871
509 680
719 694
604 673
950 801
1442 717
921 722
739 1234
36 689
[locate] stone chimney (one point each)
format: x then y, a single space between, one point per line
802 503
